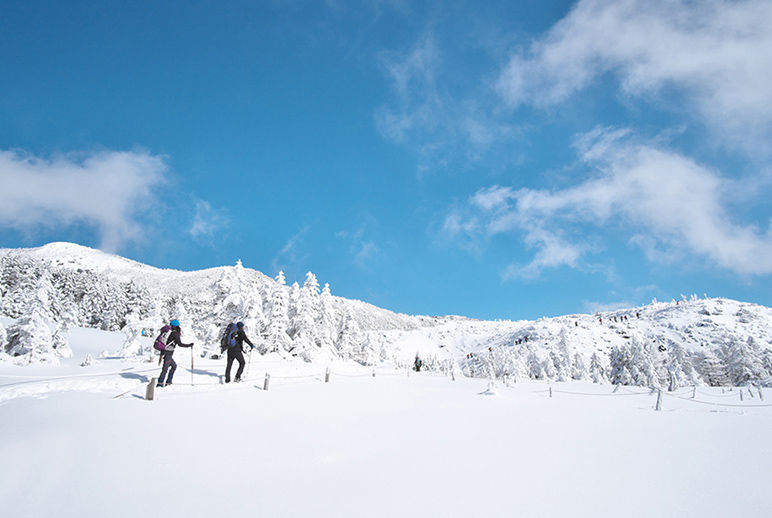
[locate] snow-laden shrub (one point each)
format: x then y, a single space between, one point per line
31 341
3 337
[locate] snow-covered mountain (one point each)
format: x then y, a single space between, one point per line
710 341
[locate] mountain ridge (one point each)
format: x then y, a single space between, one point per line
713 341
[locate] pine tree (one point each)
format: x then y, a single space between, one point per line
744 361
133 329
326 322
680 367
31 341
714 371
304 325
597 369
278 322
348 336
3 338
60 342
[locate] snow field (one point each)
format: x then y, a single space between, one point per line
389 445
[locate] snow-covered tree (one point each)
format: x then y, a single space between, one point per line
713 370
276 337
60 337
348 336
133 329
31 340
3 337
744 361
305 333
680 367
326 323
597 369
240 301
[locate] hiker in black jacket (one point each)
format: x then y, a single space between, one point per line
166 355
237 353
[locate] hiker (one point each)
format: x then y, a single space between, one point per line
169 365
418 363
235 351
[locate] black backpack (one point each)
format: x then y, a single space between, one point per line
228 339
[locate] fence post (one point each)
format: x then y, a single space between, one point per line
150 391
327 375
741 394
659 400
550 390
694 392
267 380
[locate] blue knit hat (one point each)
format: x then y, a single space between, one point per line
175 323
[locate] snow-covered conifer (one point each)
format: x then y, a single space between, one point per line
3 337
713 370
744 361
348 336
31 340
305 333
133 329
597 369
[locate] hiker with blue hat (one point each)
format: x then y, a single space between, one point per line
172 340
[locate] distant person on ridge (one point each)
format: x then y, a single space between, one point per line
236 352
418 363
169 365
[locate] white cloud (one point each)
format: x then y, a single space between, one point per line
716 52
439 126
107 190
360 247
207 220
665 201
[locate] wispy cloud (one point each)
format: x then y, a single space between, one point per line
361 247
108 190
207 220
716 53
438 125
665 201
289 252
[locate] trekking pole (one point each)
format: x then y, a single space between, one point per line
249 362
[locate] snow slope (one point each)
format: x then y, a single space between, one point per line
81 441
710 341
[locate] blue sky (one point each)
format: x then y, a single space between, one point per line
511 160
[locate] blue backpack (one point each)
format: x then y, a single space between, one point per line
229 338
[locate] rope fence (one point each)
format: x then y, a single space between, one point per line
745 395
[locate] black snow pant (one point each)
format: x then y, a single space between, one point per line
234 353
168 365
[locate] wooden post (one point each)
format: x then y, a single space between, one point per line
694 392
150 391
741 394
659 400
550 390
267 380
327 375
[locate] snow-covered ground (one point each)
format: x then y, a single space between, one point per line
82 441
